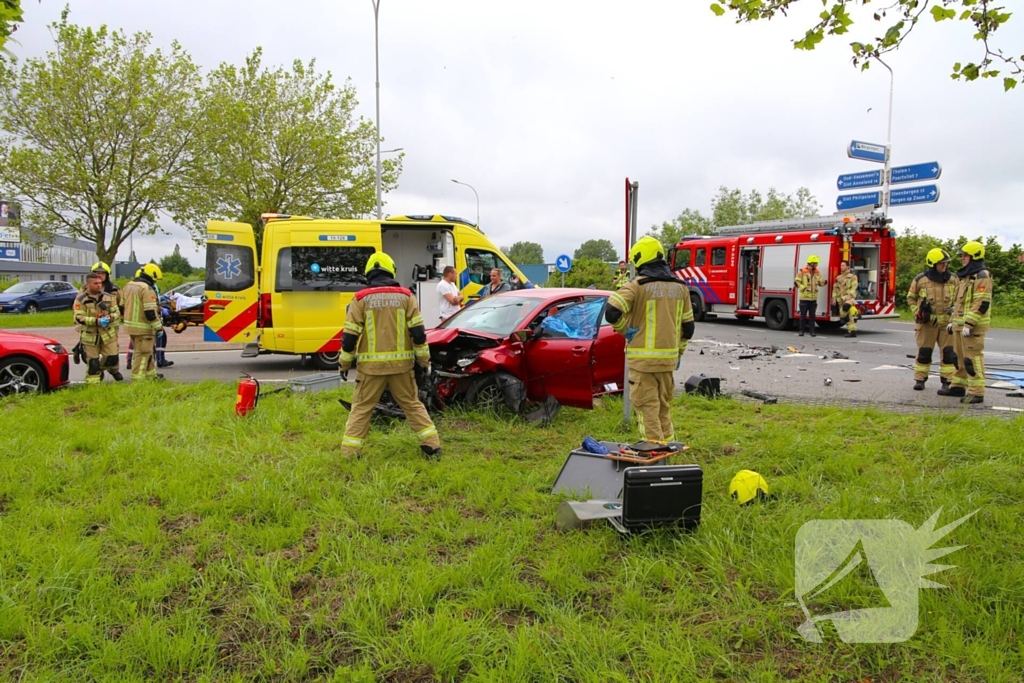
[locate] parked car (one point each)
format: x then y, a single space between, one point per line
39 295
30 363
196 288
528 345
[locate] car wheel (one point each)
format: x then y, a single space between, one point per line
31 308
485 393
698 307
776 315
21 376
326 360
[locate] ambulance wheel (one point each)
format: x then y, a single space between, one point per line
776 315
698 307
326 361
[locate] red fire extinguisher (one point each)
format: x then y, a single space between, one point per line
248 396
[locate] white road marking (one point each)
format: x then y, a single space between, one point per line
800 355
886 329
881 343
890 367
842 360
1015 410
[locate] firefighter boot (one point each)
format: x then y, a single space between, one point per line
919 385
972 399
850 333
948 390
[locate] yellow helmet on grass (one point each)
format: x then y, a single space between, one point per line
748 486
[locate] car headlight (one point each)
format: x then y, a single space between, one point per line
465 362
14 302
56 348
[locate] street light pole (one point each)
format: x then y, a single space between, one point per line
376 59
477 199
888 146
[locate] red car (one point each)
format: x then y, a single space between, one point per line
528 345
30 363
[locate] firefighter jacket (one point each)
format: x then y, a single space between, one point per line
808 282
88 311
141 312
621 278
931 296
657 305
384 329
972 306
844 291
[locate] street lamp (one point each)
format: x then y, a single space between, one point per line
477 199
888 146
376 59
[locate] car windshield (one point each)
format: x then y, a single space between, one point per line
498 315
22 288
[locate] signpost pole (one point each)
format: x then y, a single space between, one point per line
888 147
632 190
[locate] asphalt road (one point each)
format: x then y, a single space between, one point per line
876 369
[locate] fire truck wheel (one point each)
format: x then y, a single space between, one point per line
698 307
326 361
776 315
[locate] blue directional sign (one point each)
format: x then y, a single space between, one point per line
925 194
851 181
845 202
10 253
867 151
563 263
915 173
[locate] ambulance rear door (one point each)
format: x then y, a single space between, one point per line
232 283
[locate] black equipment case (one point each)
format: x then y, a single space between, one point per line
669 495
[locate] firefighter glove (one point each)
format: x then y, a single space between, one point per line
343 373
949 328
967 331
631 332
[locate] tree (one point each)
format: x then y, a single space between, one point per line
176 263
689 222
10 17
602 250
524 253
286 140
98 136
585 271
895 22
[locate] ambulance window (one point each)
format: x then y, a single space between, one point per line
683 258
718 256
283 277
329 269
229 268
701 256
480 263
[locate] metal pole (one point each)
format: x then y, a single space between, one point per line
477 199
632 190
376 59
888 146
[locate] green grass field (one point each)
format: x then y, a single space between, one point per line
14 321
146 533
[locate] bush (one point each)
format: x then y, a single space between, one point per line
584 272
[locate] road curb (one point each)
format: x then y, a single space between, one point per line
203 347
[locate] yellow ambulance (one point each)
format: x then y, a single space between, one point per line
290 296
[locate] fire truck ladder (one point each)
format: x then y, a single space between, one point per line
837 221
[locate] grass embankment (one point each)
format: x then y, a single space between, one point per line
15 321
998 321
148 534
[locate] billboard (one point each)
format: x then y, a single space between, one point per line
10 223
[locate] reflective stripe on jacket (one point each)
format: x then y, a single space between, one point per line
658 311
382 318
974 300
808 282
139 297
88 312
940 296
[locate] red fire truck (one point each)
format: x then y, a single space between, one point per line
748 270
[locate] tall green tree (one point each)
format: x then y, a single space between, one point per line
584 272
176 263
602 250
97 138
289 141
689 222
894 22
524 253
10 17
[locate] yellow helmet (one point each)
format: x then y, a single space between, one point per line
382 261
813 259
974 249
936 255
747 486
100 265
153 271
645 250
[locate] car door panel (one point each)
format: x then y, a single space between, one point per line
559 366
609 361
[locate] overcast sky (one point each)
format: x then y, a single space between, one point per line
545 107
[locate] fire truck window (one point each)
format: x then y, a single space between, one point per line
701 256
718 256
683 258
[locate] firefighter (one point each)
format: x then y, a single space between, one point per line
844 294
384 332
931 298
97 312
103 270
972 313
621 277
653 313
142 319
808 281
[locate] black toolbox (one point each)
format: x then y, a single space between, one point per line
667 495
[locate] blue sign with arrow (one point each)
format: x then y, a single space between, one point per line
563 263
850 181
915 173
845 202
925 194
866 151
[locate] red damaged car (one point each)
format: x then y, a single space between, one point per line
524 347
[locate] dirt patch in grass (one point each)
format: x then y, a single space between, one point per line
179 523
419 674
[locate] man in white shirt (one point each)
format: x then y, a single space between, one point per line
448 293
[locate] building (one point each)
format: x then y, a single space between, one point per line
65 259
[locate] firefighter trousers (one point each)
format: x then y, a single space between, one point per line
651 395
143 363
970 357
368 392
848 315
928 336
100 355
